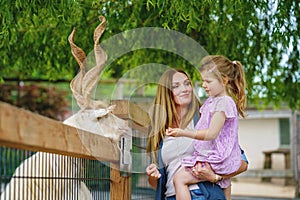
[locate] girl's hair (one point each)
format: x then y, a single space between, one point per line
164 113
231 72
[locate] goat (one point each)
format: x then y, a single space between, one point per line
94 116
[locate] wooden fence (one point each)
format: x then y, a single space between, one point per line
23 129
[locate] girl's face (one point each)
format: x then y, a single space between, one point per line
212 86
181 89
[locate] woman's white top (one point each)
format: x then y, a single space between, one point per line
173 150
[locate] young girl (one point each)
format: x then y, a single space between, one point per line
216 132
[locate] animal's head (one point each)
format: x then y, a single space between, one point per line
94 115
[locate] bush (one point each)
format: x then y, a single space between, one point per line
44 100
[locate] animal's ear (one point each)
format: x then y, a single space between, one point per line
103 111
111 108
99 113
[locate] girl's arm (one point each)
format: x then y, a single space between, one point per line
216 124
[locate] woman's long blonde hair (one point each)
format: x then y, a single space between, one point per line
164 113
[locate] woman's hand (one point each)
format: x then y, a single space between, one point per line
153 175
152 171
203 172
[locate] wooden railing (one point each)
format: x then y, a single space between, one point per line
23 129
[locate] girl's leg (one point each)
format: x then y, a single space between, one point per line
227 192
182 179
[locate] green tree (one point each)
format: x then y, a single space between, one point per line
263 35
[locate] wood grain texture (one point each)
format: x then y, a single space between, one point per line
23 129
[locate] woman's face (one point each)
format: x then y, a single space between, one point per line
182 89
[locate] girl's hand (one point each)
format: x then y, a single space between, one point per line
175 132
152 171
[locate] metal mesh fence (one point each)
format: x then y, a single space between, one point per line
38 175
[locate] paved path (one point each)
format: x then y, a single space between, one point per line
247 189
259 198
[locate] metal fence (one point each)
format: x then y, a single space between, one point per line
32 175
39 175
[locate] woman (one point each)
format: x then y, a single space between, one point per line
176 106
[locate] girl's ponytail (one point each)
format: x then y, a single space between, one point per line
238 87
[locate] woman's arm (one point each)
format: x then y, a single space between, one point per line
243 168
206 173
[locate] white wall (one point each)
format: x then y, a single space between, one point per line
258 135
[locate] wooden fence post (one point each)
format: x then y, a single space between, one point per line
120 186
120 173
295 131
